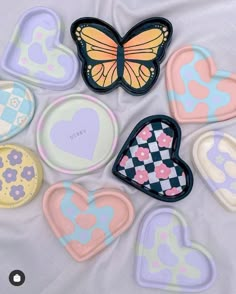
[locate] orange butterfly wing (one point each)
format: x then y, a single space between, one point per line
138 52
100 47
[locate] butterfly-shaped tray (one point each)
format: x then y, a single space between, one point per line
110 61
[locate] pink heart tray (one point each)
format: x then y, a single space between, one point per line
35 53
86 222
197 91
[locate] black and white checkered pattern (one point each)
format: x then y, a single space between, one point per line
158 155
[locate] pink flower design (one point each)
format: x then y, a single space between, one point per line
164 140
172 192
162 171
141 176
21 120
145 134
142 153
15 102
124 161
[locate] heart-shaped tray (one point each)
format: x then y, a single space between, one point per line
17 108
20 177
77 134
86 222
35 52
167 259
197 91
149 160
214 154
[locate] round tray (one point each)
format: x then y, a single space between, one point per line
77 134
21 175
17 106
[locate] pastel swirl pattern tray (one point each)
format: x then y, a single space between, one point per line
167 259
17 108
77 134
35 53
197 91
149 160
214 155
21 175
86 222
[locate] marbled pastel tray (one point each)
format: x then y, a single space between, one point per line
167 259
17 108
86 222
214 154
35 52
197 91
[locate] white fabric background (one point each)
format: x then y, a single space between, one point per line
26 241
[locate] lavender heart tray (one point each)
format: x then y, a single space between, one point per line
77 134
167 259
35 53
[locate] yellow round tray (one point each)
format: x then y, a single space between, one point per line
21 175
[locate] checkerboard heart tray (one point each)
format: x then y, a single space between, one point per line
150 162
17 108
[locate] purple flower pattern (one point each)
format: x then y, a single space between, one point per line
15 157
9 175
17 192
28 173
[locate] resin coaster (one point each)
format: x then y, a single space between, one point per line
110 61
198 92
214 155
35 53
86 222
167 259
77 134
20 177
150 162
17 107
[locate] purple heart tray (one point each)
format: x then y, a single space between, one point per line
77 134
35 53
167 259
